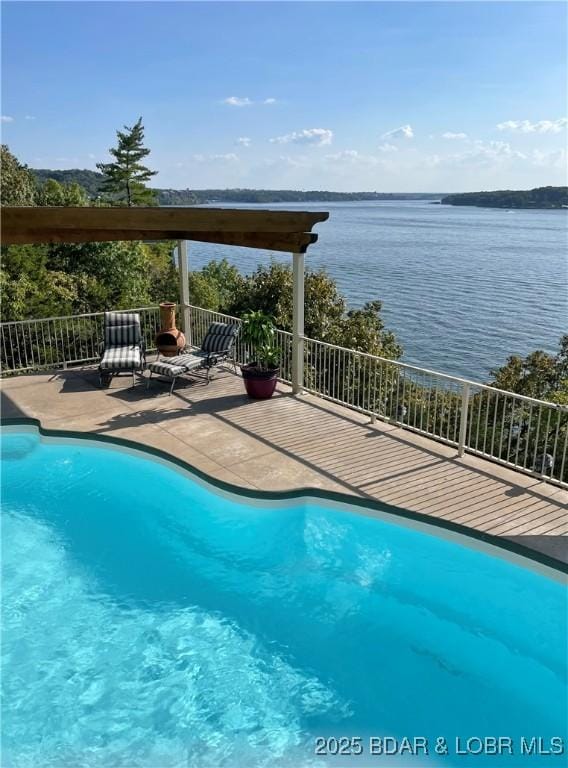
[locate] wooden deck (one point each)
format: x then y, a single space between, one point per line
299 442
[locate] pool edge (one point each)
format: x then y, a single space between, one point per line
503 545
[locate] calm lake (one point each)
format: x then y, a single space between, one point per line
463 288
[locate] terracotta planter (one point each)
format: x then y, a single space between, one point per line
170 341
260 385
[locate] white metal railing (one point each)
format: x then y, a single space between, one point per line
51 342
520 432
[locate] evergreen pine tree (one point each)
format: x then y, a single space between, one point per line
125 179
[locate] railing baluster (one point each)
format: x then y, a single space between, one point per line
536 455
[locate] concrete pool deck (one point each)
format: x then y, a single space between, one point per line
298 442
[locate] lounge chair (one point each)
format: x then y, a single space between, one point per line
217 347
123 349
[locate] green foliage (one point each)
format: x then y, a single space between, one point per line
214 286
177 197
17 183
203 292
193 196
120 271
269 289
90 181
538 375
257 331
53 192
54 280
225 277
126 178
540 197
161 271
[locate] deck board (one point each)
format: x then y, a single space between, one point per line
298 442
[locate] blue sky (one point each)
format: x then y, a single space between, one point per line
395 96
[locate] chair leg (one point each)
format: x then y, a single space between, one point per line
133 378
148 382
173 382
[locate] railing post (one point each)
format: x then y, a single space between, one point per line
463 419
183 268
298 323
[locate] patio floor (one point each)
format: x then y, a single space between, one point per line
298 442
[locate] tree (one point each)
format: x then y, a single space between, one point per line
327 318
126 178
17 183
54 193
539 374
119 270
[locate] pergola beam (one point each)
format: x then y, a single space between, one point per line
41 222
272 241
270 230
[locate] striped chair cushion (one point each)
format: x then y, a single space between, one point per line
121 358
122 328
220 337
175 366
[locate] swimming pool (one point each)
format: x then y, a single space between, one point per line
152 619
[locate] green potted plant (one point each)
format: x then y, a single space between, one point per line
261 373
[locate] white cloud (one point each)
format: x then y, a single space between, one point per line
6 119
525 126
244 101
29 117
315 136
346 154
555 159
488 152
237 101
351 156
404 132
386 147
451 135
228 157
244 141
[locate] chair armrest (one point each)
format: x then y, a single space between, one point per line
214 358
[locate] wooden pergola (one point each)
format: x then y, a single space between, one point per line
289 231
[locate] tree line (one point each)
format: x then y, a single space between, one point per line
540 197
93 184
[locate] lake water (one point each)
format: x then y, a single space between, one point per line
463 288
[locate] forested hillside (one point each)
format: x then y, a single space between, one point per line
540 197
92 182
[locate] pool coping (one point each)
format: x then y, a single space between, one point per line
380 509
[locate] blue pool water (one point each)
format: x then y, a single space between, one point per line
151 621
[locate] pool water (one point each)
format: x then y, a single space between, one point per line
150 620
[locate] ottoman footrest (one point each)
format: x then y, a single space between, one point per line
161 368
173 367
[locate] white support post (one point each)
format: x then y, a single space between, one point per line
463 419
298 324
183 269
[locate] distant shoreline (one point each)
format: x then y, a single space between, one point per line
541 198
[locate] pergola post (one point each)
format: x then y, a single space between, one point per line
298 323
183 269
